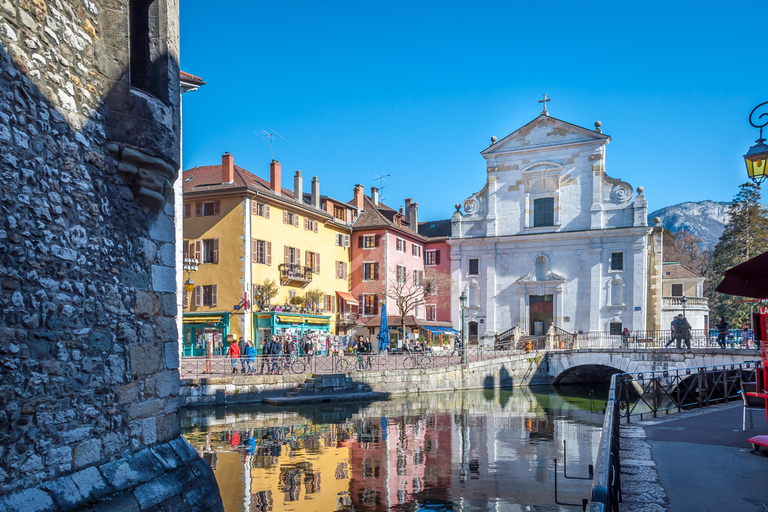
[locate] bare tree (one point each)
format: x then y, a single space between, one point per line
414 288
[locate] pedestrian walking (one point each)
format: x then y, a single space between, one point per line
685 331
368 348
722 331
234 353
250 355
672 332
266 354
243 345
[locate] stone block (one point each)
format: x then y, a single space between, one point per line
163 279
65 493
167 383
75 435
172 355
157 490
145 409
147 304
167 456
127 394
87 452
28 500
148 432
61 455
162 230
128 472
184 449
145 359
166 255
124 502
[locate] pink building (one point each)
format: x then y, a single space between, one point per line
388 260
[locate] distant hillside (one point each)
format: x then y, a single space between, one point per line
705 219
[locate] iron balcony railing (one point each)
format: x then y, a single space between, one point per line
294 272
634 395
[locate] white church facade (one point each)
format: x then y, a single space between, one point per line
552 239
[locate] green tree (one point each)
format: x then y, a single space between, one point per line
745 236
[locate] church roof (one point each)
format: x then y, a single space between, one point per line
676 270
524 130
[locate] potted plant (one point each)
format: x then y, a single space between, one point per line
297 301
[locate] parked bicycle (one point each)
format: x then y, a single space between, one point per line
292 363
353 363
415 360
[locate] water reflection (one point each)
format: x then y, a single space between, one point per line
470 450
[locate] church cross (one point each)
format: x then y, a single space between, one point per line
544 102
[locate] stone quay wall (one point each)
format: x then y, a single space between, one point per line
505 372
88 338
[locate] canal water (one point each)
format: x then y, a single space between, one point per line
468 450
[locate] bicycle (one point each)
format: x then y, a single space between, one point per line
350 364
293 363
415 360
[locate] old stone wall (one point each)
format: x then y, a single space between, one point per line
88 340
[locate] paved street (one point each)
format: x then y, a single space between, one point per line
703 463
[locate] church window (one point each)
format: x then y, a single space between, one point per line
474 267
544 212
617 261
677 290
541 268
616 328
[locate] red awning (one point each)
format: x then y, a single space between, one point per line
347 297
749 279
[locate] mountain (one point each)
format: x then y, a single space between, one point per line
705 219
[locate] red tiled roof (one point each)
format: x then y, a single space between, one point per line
189 77
208 177
379 216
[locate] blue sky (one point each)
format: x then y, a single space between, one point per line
416 89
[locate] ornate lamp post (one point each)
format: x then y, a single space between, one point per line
684 300
190 265
757 156
463 302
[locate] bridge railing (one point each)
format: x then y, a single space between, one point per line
642 339
653 393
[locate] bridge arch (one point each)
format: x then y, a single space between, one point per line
586 374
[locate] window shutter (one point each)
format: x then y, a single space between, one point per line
437 257
216 207
298 257
269 252
375 304
186 248
199 250
317 263
338 267
198 296
285 216
254 208
254 250
295 221
198 209
266 211
360 241
375 271
215 250
214 295
315 230
286 254
377 240
306 257
185 304
187 209
346 240
306 223
344 269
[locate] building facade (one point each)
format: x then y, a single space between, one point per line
270 260
89 152
681 285
551 239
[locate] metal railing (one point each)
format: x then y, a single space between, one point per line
654 393
699 338
691 302
219 366
294 272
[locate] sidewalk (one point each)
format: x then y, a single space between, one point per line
695 461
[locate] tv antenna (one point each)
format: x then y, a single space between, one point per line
270 134
382 186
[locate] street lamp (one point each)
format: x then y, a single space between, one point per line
463 302
684 300
190 265
757 156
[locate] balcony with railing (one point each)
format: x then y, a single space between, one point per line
346 318
691 303
292 272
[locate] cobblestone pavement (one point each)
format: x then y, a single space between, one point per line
694 461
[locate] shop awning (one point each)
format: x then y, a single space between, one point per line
290 319
202 319
433 330
449 330
317 321
348 298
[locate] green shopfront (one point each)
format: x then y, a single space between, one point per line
268 323
203 330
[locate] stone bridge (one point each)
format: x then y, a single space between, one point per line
593 365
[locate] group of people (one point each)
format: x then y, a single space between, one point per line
723 334
243 351
680 332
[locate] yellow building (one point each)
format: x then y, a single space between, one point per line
247 232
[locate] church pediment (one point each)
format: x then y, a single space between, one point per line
544 131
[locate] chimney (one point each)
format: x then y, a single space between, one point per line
227 168
359 195
274 177
298 187
413 216
315 192
399 218
375 195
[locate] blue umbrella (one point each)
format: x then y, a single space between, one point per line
383 330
